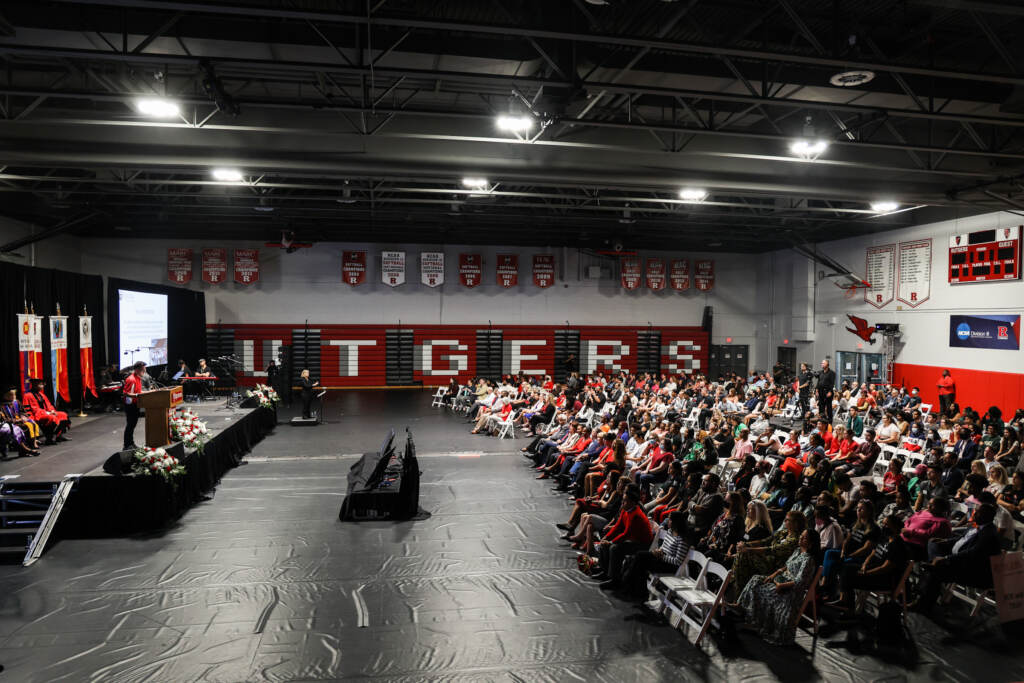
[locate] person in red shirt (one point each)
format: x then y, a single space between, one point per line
947 392
131 390
630 533
54 423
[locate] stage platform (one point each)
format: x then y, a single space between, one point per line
102 504
263 583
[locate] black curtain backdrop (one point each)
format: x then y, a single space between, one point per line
186 321
45 288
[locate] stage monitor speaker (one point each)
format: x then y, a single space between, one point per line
119 463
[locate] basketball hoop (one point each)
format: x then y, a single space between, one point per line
851 284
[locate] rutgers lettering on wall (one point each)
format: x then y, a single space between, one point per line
359 355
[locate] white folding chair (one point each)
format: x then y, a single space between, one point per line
507 427
660 585
882 463
439 397
692 419
697 606
925 408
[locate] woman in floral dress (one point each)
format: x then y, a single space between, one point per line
764 557
770 603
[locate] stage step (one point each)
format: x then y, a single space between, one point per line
43 500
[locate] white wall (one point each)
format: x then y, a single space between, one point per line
61 251
925 339
307 285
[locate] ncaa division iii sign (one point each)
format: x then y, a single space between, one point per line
392 268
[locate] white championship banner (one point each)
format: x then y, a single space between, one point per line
392 268
432 268
914 272
880 272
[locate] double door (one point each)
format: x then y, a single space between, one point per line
857 368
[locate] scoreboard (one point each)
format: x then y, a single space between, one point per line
985 256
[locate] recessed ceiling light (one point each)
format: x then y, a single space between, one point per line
884 206
227 175
808 149
157 107
474 183
515 124
693 194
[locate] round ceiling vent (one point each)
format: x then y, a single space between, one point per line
850 79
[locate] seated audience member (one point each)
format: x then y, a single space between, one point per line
1009 449
727 530
664 559
53 423
1012 497
965 451
855 423
743 477
604 513
888 431
968 562
923 526
857 545
931 487
743 445
829 530
770 603
597 503
862 458
655 469
974 482
630 534
883 568
900 506
608 462
757 526
13 432
759 482
952 476
764 557
670 489
703 508
893 478
13 412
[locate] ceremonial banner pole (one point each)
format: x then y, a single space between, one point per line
84 367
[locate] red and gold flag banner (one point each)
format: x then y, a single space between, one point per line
179 265
704 274
59 357
470 269
679 274
353 267
215 266
507 270
632 273
656 274
85 354
30 349
247 266
543 270
392 268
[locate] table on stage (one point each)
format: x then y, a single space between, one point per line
199 380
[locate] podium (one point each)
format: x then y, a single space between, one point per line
158 403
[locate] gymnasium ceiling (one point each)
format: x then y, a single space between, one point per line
359 119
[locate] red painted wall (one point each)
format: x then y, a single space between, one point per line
976 388
442 348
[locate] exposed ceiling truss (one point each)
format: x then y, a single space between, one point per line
354 119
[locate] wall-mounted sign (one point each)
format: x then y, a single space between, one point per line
880 271
392 268
432 268
353 267
985 331
914 272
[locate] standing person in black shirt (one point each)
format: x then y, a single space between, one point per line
306 386
826 387
804 380
272 372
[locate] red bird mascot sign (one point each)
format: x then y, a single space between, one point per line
861 329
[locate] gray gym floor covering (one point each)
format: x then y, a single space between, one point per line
263 583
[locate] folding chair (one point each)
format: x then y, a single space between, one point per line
508 426
882 463
689 572
439 397
810 601
697 606
691 420
897 594
925 408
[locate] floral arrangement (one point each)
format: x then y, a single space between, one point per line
267 396
189 429
156 462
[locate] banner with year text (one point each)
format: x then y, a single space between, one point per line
215 266
543 270
655 274
679 275
179 265
507 270
247 266
353 267
470 269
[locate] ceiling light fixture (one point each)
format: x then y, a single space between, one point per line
514 124
884 206
808 149
475 183
853 78
157 107
693 194
227 175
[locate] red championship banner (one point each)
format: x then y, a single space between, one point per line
507 270
704 274
470 269
656 274
543 270
632 274
353 267
215 265
247 266
85 354
679 275
179 265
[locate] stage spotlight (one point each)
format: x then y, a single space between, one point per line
808 149
515 124
693 194
884 206
227 175
157 107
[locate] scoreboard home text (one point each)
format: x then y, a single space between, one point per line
985 256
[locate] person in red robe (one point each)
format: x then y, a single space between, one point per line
53 422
